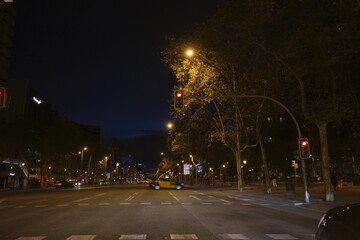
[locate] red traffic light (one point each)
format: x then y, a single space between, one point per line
304 143
179 94
179 99
304 148
2 97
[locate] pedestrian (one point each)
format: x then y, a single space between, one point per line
273 180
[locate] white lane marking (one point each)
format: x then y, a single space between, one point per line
166 203
229 203
133 236
40 205
125 203
83 204
176 198
82 199
192 196
146 203
206 203
170 193
130 198
226 201
183 236
281 236
62 205
233 236
186 203
31 238
81 237
104 204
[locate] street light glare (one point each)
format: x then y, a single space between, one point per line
189 52
170 125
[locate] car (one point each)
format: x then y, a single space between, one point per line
63 184
167 183
342 222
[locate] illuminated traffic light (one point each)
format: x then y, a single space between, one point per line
179 100
304 148
294 164
2 97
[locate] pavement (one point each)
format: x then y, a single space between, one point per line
342 196
280 194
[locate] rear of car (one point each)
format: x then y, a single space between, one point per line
63 184
341 222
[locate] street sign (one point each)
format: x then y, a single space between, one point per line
186 169
199 168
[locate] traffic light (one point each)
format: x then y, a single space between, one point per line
293 163
2 97
304 148
179 99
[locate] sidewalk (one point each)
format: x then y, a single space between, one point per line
279 194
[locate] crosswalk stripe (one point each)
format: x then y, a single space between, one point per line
183 236
133 236
31 238
81 237
145 203
233 236
281 236
104 204
62 205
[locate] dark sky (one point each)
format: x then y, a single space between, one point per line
98 62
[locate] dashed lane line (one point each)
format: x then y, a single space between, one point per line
132 236
192 196
81 237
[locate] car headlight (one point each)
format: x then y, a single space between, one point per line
322 222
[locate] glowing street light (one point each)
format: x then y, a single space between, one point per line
189 52
170 125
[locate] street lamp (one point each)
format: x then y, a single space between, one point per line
189 52
170 125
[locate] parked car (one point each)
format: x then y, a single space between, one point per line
341 222
63 184
167 183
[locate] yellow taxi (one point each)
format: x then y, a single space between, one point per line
167 183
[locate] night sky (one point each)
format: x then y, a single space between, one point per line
98 62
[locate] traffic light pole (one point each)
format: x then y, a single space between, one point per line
307 195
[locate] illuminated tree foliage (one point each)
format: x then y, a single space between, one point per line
303 53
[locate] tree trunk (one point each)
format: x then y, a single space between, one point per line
239 172
264 158
329 190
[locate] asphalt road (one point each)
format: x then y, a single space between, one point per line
140 212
